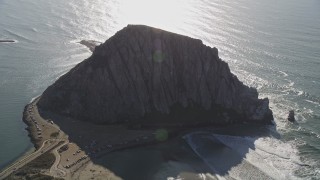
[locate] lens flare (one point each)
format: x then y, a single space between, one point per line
161 135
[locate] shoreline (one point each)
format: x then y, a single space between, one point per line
25 153
38 128
37 124
91 44
86 142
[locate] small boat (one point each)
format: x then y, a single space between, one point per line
291 116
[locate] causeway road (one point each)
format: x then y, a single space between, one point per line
47 145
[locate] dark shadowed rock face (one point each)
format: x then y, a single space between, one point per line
146 72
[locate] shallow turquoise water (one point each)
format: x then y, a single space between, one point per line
271 45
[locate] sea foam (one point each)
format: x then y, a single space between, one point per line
263 157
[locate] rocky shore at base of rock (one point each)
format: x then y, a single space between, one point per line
91 44
144 74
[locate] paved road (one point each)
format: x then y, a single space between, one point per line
20 163
54 170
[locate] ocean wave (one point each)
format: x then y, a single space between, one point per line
283 73
308 133
260 157
19 36
312 102
32 99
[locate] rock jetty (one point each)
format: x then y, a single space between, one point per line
7 41
91 44
145 73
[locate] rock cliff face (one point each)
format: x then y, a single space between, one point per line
147 72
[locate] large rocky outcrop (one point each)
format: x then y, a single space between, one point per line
147 72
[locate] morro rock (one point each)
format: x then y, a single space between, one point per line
146 73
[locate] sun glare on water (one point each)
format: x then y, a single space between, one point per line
103 18
159 13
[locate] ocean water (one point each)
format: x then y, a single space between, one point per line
271 45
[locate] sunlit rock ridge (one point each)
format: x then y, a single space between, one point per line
146 73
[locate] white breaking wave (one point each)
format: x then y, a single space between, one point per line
284 74
262 158
316 103
34 98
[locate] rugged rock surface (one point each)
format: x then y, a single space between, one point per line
145 72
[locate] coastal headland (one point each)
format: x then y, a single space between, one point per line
143 86
147 75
